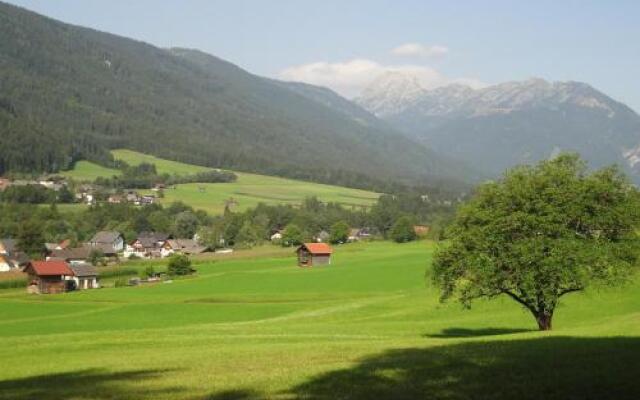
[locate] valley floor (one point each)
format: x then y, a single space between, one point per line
367 327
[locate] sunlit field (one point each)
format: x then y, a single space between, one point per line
254 325
246 192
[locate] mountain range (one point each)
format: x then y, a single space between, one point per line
69 93
499 126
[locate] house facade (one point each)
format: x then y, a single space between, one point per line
146 245
110 242
314 254
85 276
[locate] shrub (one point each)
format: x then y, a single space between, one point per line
402 231
179 264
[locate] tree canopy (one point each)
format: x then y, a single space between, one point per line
339 232
540 233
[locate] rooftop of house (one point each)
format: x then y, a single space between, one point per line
317 248
49 268
83 270
72 253
7 245
105 237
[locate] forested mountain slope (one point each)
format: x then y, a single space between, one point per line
69 93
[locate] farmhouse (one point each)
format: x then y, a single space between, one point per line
310 254
147 245
110 242
72 255
10 253
182 246
48 276
85 276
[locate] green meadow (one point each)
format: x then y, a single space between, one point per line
246 192
253 325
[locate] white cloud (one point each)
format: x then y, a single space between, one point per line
419 50
350 77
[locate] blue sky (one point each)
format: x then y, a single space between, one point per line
342 44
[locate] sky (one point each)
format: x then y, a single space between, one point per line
346 44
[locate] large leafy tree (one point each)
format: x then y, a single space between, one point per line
540 233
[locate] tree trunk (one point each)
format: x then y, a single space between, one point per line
544 320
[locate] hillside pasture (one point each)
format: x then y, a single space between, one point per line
86 171
254 326
246 192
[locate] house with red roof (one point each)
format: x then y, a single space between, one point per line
313 254
48 276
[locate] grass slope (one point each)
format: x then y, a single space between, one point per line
366 327
247 191
87 171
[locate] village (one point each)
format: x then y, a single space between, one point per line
67 191
66 267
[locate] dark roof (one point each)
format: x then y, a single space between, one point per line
84 270
45 268
105 237
5 259
188 246
9 245
156 236
74 253
317 248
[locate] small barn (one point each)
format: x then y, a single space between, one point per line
85 276
310 254
48 276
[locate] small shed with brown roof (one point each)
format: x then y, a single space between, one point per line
48 276
310 254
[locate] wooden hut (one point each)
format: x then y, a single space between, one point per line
310 254
47 276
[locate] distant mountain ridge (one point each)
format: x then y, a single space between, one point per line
70 93
499 126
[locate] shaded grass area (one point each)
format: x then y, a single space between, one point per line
547 368
86 384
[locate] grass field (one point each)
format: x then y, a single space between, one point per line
247 191
253 326
87 171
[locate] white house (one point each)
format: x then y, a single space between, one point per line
84 275
110 242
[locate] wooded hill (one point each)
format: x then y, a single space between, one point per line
69 93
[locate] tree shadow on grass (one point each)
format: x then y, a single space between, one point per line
549 368
464 332
86 384
237 394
